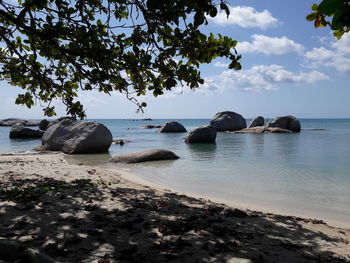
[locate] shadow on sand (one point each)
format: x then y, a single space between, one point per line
86 221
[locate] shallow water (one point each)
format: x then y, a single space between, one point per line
306 173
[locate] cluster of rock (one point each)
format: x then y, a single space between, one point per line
282 124
65 134
14 121
19 128
80 137
227 121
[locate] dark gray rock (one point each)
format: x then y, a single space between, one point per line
120 141
60 119
286 122
145 156
43 124
258 121
228 121
13 121
173 126
206 134
19 131
151 126
73 137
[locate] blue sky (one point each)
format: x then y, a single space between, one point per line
289 67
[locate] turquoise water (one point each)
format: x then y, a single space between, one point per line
307 173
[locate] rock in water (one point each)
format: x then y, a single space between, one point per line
206 134
173 126
73 137
43 124
286 122
228 121
145 156
263 129
150 126
256 129
18 131
13 121
258 121
278 130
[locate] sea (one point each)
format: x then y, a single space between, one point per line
306 173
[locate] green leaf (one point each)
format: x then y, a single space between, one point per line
329 7
213 12
224 7
338 34
152 4
336 21
311 17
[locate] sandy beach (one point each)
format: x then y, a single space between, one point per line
78 213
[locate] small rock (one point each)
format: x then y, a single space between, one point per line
145 156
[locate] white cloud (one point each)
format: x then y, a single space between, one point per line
245 16
342 46
337 55
257 78
262 77
269 45
92 98
219 64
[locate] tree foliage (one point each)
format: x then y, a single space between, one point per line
332 13
52 49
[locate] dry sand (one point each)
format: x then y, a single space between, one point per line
77 213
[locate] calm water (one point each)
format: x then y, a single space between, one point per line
306 173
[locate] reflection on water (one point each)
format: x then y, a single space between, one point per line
286 144
202 151
258 143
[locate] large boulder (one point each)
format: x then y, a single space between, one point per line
145 156
228 121
13 121
59 120
73 137
173 126
258 121
18 131
286 122
206 134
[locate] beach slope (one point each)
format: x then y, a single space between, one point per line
77 213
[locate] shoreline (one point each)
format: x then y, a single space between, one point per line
126 174
79 212
237 204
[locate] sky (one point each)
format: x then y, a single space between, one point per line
289 67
